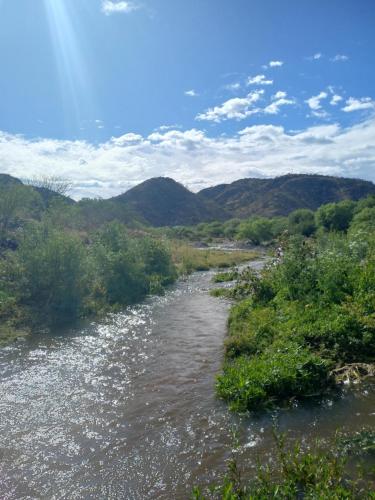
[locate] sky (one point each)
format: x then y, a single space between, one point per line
108 93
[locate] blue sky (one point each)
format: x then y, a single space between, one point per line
109 93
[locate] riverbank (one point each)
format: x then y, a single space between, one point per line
55 278
300 322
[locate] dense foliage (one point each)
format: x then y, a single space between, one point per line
51 272
311 310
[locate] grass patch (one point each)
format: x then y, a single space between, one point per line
226 277
188 259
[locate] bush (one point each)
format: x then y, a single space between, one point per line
128 268
319 301
51 274
336 216
283 371
302 222
258 231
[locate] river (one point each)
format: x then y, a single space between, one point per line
125 408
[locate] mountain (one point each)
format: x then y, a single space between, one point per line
161 201
282 195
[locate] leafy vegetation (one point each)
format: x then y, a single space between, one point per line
311 311
321 472
56 276
61 260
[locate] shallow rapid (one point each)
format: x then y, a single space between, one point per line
126 408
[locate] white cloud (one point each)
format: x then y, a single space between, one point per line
279 95
278 100
363 103
233 86
259 80
275 64
315 57
340 58
237 108
126 139
315 106
191 93
335 99
192 157
163 128
115 7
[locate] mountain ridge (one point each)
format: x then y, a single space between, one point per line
162 201
281 195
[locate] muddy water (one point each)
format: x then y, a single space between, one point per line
125 408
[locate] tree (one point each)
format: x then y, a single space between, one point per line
53 183
53 278
335 216
302 221
256 230
15 202
364 221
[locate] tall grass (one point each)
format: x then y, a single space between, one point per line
188 259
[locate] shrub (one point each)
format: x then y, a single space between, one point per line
256 230
51 274
284 370
302 222
336 216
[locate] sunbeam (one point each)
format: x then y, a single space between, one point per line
76 89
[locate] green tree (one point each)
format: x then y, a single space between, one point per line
335 216
16 203
258 230
52 273
364 221
302 221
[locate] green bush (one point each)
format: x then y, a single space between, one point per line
319 301
302 222
336 216
128 268
283 371
257 230
50 273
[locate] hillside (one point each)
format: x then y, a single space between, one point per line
161 201
282 195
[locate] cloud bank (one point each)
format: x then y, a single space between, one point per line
192 157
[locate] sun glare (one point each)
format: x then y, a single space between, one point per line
66 36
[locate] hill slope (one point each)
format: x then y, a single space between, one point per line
282 195
161 201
